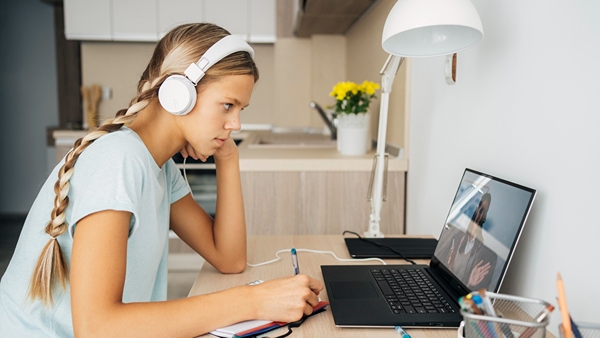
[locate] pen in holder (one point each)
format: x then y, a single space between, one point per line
515 317
585 330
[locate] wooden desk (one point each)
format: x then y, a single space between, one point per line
263 248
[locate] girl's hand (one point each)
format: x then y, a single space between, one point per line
188 150
287 299
227 150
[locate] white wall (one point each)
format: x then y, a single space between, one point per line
525 108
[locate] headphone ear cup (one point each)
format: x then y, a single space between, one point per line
177 94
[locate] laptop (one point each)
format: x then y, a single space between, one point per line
474 249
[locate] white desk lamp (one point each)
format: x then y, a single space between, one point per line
416 28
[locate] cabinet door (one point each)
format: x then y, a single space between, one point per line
172 13
229 14
262 21
135 20
87 19
317 202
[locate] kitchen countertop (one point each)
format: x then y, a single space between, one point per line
279 158
306 159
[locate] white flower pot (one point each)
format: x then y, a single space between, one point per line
353 134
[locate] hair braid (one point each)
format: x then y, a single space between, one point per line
51 265
172 55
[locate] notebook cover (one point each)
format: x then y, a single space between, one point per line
274 325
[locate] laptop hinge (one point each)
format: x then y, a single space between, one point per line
452 288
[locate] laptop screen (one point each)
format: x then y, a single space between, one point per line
482 229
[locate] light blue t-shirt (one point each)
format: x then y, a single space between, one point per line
116 172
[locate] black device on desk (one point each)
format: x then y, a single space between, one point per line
474 250
380 247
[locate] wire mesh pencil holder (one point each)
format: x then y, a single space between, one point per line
517 317
587 330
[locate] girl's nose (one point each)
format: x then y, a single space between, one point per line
234 123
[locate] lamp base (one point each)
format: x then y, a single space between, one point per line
373 231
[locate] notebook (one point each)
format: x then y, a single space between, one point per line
380 247
253 328
474 249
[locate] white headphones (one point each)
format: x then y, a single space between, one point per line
177 94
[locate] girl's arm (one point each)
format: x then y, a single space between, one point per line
97 277
222 241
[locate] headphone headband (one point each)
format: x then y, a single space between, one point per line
226 46
177 94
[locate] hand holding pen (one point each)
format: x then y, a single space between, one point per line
295 262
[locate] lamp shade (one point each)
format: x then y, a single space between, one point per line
420 28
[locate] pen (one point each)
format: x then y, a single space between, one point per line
401 331
576 331
540 318
562 305
295 262
489 308
467 305
480 305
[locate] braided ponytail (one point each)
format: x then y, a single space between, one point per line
172 55
51 267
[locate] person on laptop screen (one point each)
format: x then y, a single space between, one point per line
464 252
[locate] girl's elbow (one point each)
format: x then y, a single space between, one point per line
234 267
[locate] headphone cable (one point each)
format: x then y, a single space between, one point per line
186 179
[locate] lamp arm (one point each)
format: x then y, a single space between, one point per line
388 73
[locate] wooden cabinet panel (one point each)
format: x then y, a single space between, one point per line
286 203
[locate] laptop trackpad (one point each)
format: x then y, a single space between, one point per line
353 290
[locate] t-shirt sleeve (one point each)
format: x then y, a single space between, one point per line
179 186
106 178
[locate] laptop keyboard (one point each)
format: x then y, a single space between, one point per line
410 291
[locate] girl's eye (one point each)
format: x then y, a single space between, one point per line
227 105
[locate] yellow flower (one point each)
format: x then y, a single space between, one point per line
369 87
352 98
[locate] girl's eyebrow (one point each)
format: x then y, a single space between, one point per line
236 101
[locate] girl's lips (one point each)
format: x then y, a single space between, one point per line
220 141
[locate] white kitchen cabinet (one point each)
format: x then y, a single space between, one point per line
172 13
134 20
229 14
262 16
88 19
119 20
150 20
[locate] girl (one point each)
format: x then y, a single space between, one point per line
99 268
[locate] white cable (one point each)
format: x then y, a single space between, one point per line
185 176
320 252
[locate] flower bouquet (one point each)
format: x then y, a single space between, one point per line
351 110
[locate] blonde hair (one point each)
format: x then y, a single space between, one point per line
182 46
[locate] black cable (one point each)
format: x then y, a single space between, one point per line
297 324
290 326
380 245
